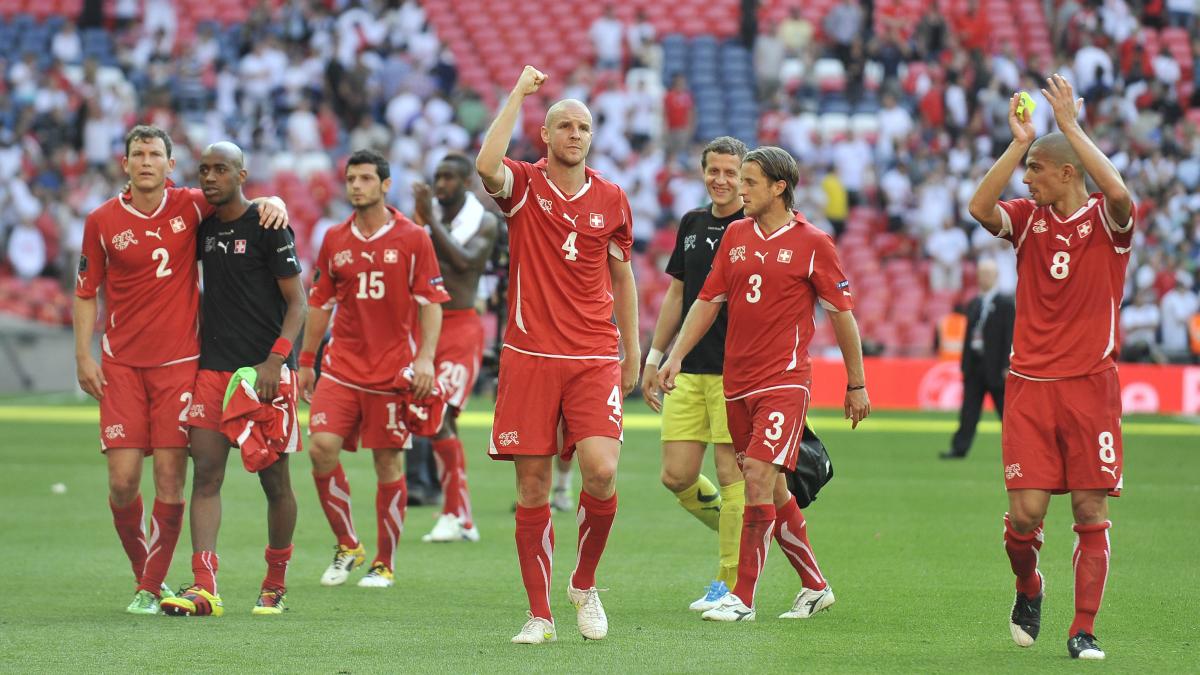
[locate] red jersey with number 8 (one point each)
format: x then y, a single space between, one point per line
1070 280
559 287
146 263
772 284
376 283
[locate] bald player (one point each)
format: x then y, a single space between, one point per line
570 236
252 308
1062 417
463 235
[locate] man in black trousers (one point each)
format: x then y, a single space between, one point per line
985 354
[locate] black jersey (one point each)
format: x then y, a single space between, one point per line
696 243
241 308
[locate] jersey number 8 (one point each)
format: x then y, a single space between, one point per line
1060 267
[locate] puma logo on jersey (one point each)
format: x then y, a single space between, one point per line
762 257
123 240
1110 470
569 219
224 246
369 256
614 421
1066 238
154 234
712 243
770 446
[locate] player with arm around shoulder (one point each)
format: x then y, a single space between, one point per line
1062 418
771 270
570 235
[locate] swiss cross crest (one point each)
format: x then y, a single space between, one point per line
177 224
1084 229
596 220
239 246
785 255
391 255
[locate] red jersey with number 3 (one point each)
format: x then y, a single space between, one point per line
376 283
772 284
559 287
1070 280
146 263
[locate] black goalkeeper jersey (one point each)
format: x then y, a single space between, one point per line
696 243
241 307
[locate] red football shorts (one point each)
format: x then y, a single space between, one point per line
768 426
376 419
146 407
208 399
535 393
1063 435
459 355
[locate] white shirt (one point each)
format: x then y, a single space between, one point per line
606 35
1086 61
948 246
1138 323
1178 307
27 251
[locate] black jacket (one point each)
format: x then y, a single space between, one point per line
997 339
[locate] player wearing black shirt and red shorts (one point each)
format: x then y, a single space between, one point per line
253 306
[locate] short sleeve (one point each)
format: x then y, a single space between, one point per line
1121 233
827 278
427 285
280 252
620 245
1015 214
93 260
716 285
513 195
675 263
323 292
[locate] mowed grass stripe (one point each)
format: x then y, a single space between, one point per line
475 419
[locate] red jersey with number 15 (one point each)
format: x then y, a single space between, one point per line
559 287
146 263
1070 280
772 284
376 283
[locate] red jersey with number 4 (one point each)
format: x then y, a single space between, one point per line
559 288
376 283
146 263
772 284
1070 280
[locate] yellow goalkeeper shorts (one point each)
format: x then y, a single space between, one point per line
695 411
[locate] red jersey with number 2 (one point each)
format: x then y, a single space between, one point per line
772 284
376 283
559 287
146 263
1070 280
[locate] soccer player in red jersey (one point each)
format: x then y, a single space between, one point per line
380 271
570 236
140 248
771 270
1062 417
252 309
464 235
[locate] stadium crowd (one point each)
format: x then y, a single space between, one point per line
893 129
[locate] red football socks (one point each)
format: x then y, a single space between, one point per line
1090 561
166 520
391 502
1023 550
452 465
334 491
595 517
204 570
277 563
758 522
535 552
128 521
792 534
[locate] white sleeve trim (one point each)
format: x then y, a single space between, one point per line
1005 223
505 190
1112 222
719 298
827 306
615 251
421 300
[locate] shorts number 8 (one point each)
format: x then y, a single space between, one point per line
1108 454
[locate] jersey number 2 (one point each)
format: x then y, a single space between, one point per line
164 259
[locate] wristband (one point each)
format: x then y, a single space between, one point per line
654 356
282 347
307 359
855 388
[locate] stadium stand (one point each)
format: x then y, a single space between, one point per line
893 115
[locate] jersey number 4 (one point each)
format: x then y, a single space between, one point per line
569 247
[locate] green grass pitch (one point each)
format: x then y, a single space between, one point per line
912 546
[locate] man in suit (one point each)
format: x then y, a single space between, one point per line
990 317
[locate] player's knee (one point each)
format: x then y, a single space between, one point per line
276 487
601 482
1089 513
207 480
674 481
533 490
1025 521
122 490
